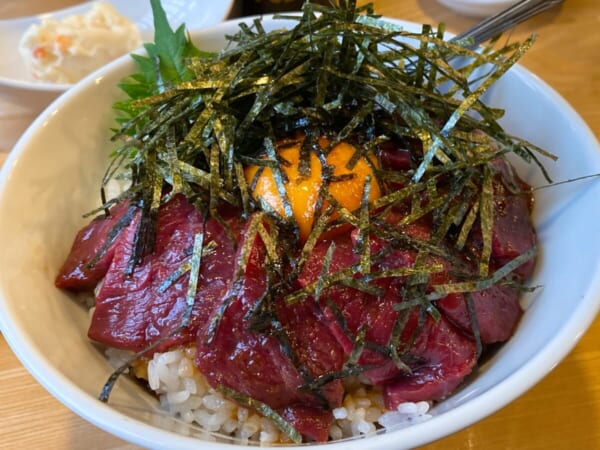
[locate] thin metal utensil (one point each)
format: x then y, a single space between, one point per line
504 20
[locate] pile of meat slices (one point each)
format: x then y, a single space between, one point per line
134 311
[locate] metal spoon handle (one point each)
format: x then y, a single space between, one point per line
504 20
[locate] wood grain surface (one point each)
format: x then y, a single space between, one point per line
561 412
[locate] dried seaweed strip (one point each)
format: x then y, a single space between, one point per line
318 228
395 345
486 220
358 346
199 177
214 178
352 76
270 239
467 225
420 69
470 305
263 409
328 377
225 129
441 290
238 278
403 272
433 70
451 212
280 181
113 233
333 278
363 239
190 295
345 215
357 118
168 282
467 103
324 272
418 210
245 191
123 368
115 166
363 286
322 82
348 274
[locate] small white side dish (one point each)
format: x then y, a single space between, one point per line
52 177
22 97
478 8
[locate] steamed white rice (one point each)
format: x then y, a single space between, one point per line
185 394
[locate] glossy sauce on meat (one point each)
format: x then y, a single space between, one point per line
304 341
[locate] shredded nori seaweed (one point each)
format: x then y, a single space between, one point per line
343 73
265 410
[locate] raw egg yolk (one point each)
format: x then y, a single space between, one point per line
303 191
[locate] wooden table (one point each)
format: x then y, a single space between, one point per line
562 411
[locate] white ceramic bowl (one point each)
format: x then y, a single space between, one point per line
18 108
52 177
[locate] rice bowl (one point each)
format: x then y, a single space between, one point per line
547 333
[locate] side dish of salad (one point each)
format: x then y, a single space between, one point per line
64 51
318 232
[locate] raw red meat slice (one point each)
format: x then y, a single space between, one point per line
440 357
133 312
446 357
513 232
256 364
80 272
357 308
310 422
497 309
444 364
394 157
273 360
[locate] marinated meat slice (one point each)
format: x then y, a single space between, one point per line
310 422
441 366
513 232
94 247
356 308
313 345
259 364
443 358
377 314
133 312
440 357
497 310
250 340
394 157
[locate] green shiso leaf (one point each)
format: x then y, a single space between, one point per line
170 48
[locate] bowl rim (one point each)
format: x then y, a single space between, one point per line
461 416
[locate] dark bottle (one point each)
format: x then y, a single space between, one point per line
250 7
